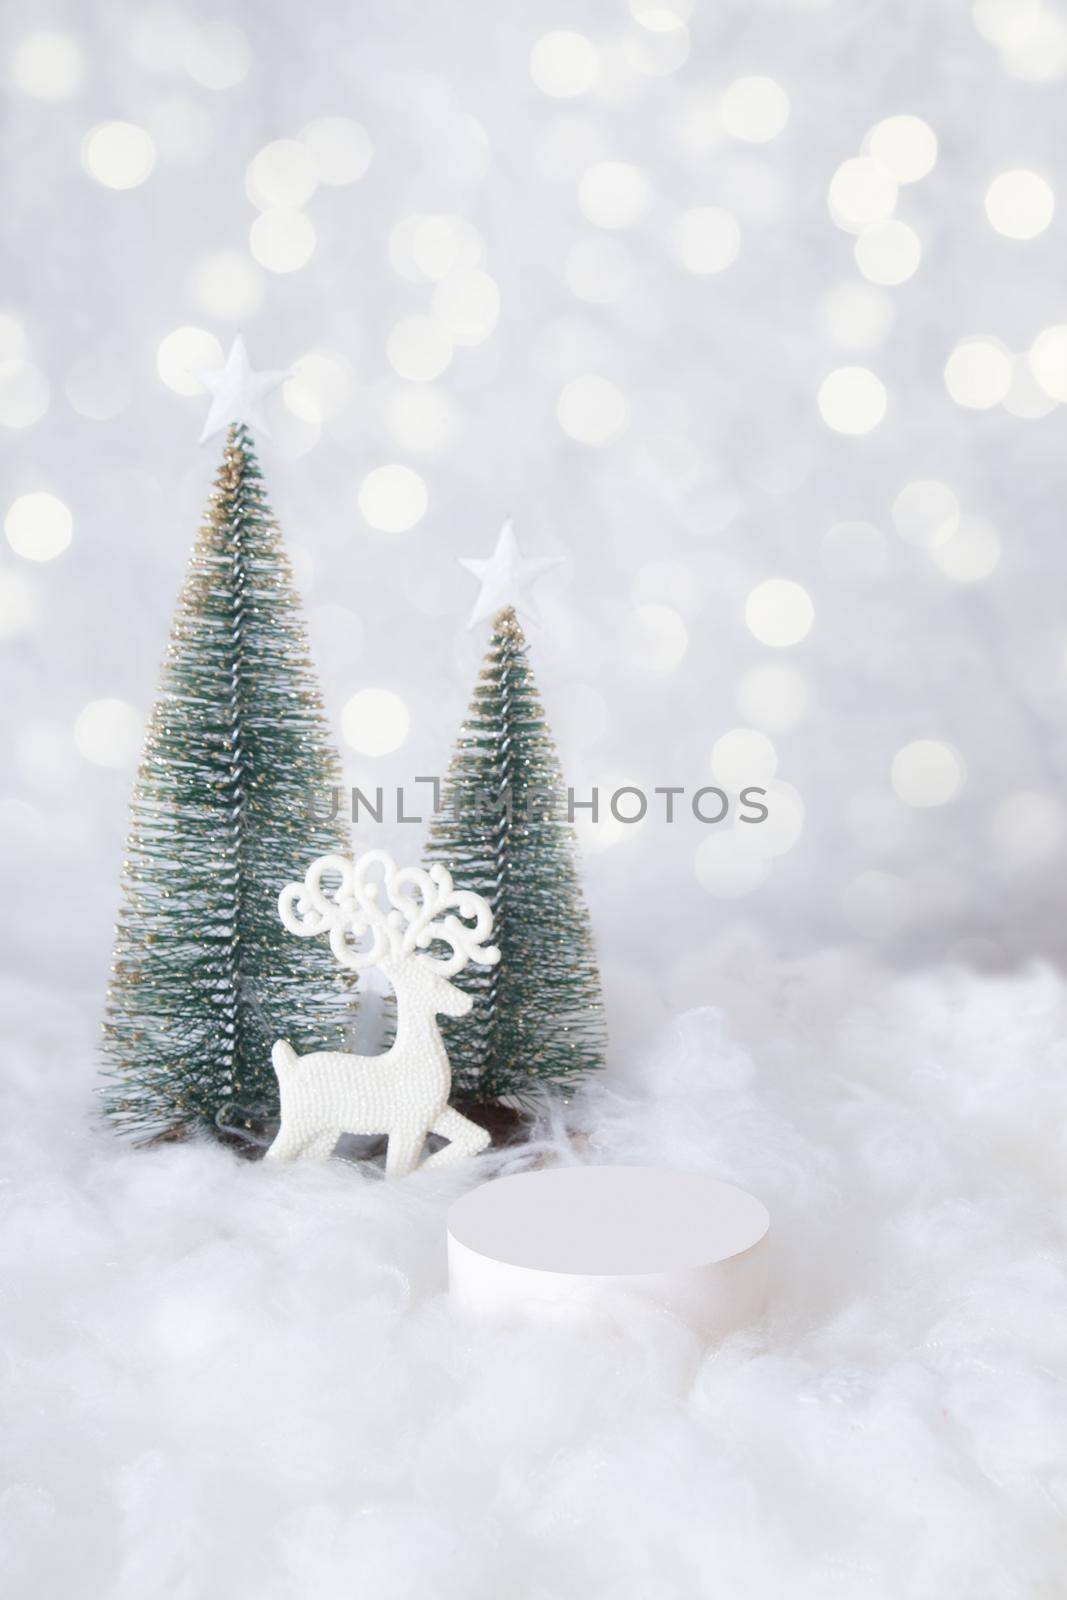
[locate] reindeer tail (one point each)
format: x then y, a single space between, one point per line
283 1056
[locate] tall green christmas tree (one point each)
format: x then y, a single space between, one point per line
502 830
205 978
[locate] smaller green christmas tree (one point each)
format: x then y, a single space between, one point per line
502 830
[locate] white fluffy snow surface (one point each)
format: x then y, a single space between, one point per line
222 1380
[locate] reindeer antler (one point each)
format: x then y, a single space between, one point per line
414 922
348 914
426 921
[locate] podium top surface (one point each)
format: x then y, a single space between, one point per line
608 1221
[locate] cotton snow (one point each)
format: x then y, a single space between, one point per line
222 1379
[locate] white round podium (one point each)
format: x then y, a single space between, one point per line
585 1240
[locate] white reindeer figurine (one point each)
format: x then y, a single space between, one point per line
404 1092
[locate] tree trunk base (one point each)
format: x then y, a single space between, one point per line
506 1125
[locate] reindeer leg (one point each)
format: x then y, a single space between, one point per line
322 1146
465 1138
404 1150
287 1146
301 1144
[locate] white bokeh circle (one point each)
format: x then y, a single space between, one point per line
426 246
217 55
1026 397
754 109
282 240
1032 37
1027 829
418 348
119 155
98 384
183 131
420 418
662 637
783 825
659 46
1048 361
862 192
779 612
888 253
743 756
926 513
107 733
184 353
25 394
18 603
706 239
613 194
608 829
852 400
857 316
48 65
39 525
593 410
563 64
283 174
466 304
393 498
927 772
905 145
1020 204
14 345
321 386
340 149
228 285
375 722
978 373
971 554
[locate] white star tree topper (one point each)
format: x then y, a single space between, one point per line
507 577
237 393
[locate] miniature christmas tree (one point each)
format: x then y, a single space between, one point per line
502 831
205 977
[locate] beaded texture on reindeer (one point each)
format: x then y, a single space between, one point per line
538 1018
403 1092
205 978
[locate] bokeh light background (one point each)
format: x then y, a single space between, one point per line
756 311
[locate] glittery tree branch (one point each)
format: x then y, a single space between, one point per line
538 1019
205 978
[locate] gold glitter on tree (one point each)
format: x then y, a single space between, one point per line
205 978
